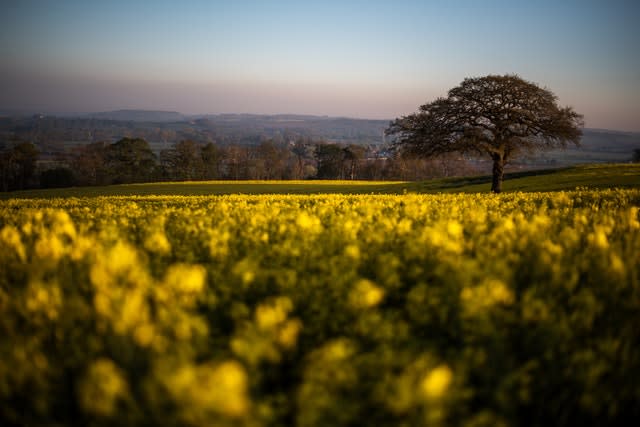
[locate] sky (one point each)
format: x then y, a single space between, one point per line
364 59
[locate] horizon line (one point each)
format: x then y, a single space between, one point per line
15 112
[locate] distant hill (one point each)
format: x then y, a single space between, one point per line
335 129
139 116
162 129
597 146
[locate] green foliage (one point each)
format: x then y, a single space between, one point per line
130 160
461 310
17 166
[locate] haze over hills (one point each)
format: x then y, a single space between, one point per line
165 128
138 115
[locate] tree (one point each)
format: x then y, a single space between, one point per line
636 156
183 162
189 159
237 162
17 166
330 159
130 160
273 159
299 150
59 177
88 164
495 115
212 159
352 156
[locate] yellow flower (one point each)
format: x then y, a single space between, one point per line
10 236
102 387
288 334
352 251
207 389
144 334
273 314
404 226
308 222
186 279
487 294
454 229
436 383
157 242
49 248
366 294
599 239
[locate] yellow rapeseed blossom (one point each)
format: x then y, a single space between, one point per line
436 382
352 252
365 294
186 279
338 349
245 269
206 390
634 221
308 223
490 292
454 228
102 387
143 299
404 226
288 333
144 334
599 238
44 298
49 248
273 314
62 224
230 380
157 242
10 237
219 243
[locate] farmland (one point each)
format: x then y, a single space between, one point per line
587 176
156 308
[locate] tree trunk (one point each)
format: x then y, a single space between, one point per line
498 173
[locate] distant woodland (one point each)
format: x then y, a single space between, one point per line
40 151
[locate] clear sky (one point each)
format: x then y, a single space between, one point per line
369 59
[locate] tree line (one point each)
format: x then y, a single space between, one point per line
131 160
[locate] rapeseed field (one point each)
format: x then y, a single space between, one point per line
313 310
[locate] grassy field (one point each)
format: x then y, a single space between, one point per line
590 176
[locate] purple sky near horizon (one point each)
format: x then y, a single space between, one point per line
364 59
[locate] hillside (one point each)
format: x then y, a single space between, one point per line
149 116
162 129
597 145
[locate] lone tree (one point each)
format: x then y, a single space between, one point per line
495 115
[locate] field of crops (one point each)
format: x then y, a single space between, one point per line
321 310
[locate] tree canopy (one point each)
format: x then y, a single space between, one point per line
494 115
17 166
131 160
